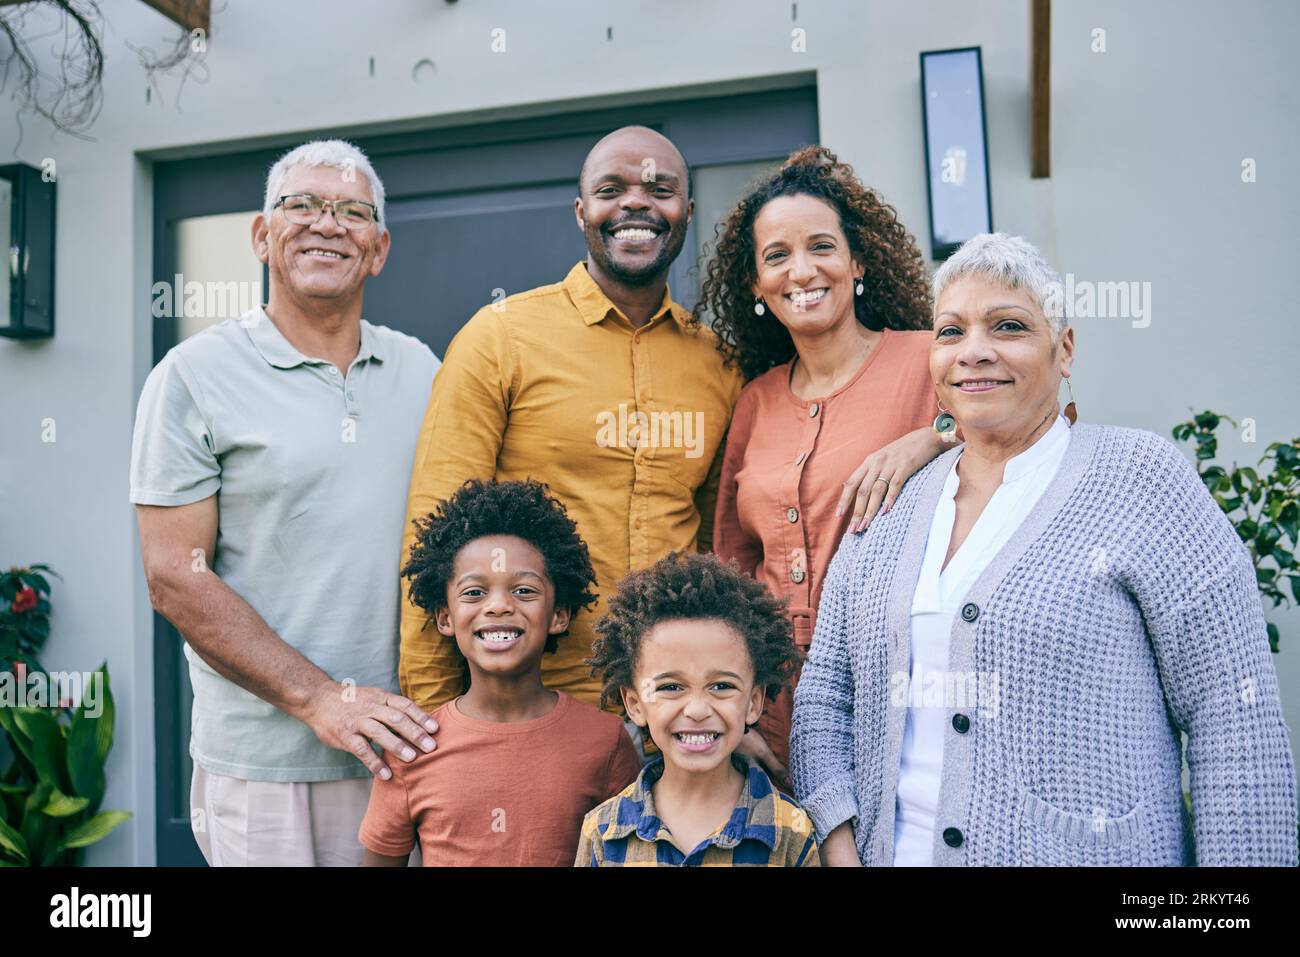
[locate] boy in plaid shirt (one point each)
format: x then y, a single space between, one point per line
692 645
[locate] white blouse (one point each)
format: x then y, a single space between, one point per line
938 597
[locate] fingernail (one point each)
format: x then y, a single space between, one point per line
408 753
385 773
839 510
431 725
427 744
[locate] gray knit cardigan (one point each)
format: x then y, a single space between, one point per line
1122 610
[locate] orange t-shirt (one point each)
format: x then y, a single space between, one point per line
502 794
785 466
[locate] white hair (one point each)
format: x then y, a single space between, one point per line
1012 261
337 153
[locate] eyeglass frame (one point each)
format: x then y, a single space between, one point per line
374 210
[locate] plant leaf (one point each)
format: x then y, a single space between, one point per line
13 842
47 744
60 805
96 829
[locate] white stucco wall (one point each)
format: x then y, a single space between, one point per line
1147 139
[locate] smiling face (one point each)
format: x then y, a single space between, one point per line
501 606
694 691
804 267
634 208
323 260
993 361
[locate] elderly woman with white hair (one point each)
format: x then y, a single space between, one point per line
1004 662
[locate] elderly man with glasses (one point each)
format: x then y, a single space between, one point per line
269 470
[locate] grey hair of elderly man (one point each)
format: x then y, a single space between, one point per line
1011 261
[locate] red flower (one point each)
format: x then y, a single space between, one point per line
25 601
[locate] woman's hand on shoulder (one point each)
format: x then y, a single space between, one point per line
874 485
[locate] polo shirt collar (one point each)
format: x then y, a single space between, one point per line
594 306
752 817
277 351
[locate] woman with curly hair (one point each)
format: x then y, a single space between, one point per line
820 296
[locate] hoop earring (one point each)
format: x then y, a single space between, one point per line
944 423
1071 413
759 308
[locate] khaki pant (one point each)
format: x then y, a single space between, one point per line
277 823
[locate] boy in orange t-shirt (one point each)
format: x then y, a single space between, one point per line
501 570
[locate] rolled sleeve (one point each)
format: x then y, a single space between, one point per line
173 451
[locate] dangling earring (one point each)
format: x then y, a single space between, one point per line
859 288
945 424
1071 413
759 308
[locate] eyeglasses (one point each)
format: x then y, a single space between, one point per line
303 209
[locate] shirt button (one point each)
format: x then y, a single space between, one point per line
960 723
970 611
799 460
813 410
637 523
333 371
796 576
952 837
792 514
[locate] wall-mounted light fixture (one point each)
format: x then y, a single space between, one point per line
27 245
956 148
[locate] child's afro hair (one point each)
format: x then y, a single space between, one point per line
692 586
478 509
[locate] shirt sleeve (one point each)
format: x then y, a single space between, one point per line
173 451
730 540
460 439
589 842
624 764
387 827
1197 590
808 856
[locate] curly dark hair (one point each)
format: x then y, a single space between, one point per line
478 509
897 293
691 586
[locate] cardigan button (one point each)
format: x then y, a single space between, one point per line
796 576
952 837
960 723
792 514
970 611
813 410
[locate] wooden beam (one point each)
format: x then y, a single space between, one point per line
190 14
1040 88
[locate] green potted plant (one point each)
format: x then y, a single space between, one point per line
1263 504
52 767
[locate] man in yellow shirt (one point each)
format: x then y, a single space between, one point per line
600 386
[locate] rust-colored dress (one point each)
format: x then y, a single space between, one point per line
785 466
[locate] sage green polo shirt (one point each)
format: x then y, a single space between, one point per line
310 468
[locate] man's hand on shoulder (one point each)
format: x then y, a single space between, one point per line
349 718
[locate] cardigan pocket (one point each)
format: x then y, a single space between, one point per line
1050 837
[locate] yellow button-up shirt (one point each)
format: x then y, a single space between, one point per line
625 425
